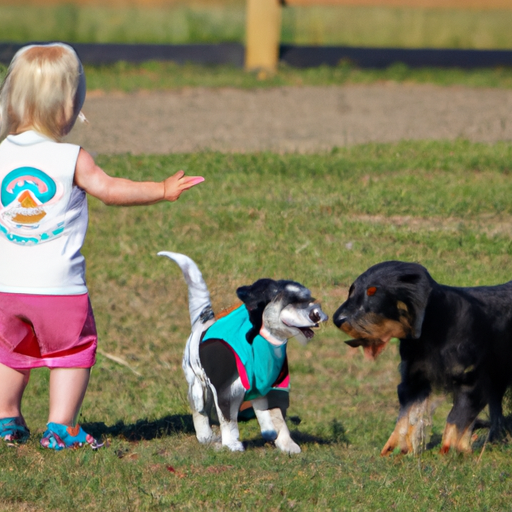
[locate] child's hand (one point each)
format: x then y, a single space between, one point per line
124 192
178 183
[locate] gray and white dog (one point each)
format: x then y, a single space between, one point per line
241 356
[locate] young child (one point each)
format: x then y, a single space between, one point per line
46 318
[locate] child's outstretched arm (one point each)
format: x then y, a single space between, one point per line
124 192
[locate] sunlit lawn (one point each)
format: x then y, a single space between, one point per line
319 219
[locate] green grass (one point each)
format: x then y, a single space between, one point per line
319 219
152 76
225 21
159 75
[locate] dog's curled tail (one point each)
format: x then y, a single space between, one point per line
201 317
199 304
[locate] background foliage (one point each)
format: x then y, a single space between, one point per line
179 22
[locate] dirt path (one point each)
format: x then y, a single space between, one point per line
291 119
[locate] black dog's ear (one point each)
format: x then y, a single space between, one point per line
418 323
410 278
415 297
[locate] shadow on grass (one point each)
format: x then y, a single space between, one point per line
299 437
435 442
337 436
143 430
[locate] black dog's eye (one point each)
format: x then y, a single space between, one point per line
371 291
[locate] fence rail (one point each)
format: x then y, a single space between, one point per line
296 56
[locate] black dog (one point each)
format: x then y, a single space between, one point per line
454 339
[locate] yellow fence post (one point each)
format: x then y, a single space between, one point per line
263 33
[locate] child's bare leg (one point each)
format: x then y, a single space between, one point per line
12 385
67 391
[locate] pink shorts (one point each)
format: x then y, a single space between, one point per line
54 331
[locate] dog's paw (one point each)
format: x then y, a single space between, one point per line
287 445
211 439
235 446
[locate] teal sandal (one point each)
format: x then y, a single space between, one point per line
58 437
14 430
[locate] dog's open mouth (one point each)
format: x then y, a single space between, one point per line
302 320
308 333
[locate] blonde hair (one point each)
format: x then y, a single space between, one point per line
44 91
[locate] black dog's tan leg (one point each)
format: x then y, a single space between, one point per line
454 437
467 404
411 429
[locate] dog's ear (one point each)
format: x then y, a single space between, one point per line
244 294
410 278
414 294
258 293
256 297
418 323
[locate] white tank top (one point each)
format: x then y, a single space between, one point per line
43 217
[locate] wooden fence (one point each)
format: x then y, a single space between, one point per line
263 22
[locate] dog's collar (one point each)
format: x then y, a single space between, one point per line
265 333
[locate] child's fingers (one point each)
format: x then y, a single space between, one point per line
177 184
190 181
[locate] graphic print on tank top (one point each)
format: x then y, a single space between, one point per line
27 196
